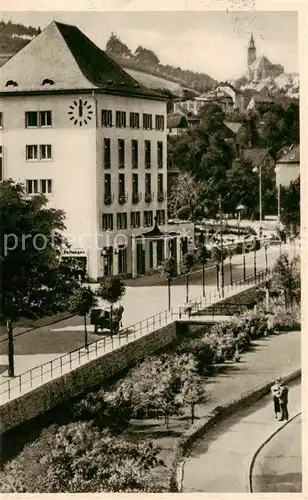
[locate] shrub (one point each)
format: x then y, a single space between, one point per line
77 458
204 352
286 320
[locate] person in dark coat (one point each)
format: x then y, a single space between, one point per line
275 389
283 401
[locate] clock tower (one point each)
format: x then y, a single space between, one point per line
251 51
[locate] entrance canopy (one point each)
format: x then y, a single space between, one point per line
155 234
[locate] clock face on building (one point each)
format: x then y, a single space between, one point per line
80 112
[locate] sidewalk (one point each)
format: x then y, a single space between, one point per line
220 462
274 356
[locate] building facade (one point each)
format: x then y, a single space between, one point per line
288 166
79 129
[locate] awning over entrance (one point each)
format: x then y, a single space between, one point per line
155 234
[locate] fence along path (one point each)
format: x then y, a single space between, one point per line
39 375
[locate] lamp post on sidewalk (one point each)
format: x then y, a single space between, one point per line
221 250
244 260
259 169
255 258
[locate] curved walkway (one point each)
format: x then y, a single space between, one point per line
220 461
278 465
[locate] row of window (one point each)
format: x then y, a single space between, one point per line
42 119
134 153
134 120
38 152
135 219
44 152
135 188
39 186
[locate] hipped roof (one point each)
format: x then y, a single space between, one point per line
63 54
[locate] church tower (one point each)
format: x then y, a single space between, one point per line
251 52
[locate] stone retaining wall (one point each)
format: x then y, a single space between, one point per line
86 377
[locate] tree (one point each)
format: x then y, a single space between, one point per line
193 393
81 302
186 265
109 411
146 56
202 256
245 186
169 272
185 200
111 290
288 279
34 281
290 206
117 48
77 458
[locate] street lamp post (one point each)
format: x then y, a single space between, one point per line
230 265
244 261
221 250
266 263
256 169
255 259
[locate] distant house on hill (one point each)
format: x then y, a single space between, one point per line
288 165
259 157
177 123
224 94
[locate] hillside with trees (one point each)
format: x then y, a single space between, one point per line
14 36
145 60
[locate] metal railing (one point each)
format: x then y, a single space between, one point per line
50 370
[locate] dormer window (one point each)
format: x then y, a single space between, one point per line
11 83
110 82
48 82
292 157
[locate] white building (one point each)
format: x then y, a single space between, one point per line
78 128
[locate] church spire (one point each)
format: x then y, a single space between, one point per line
252 42
251 52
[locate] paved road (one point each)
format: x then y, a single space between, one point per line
220 461
44 344
278 466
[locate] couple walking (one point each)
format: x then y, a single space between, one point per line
280 393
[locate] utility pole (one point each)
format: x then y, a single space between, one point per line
221 250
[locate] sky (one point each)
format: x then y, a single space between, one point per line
206 41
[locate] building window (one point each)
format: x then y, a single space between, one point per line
120 119
160 215
148 188
121 153
135 219
46 186
35 186
148 218
107 222
45 152
106 118
1 120
134 153
32 186
31 119
122 253
134 120
38 119
160 184
159 122
160 158
1 164
147 154
45 119
122 194
31 152
135 185
122 221
107 155
147 121
107 189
